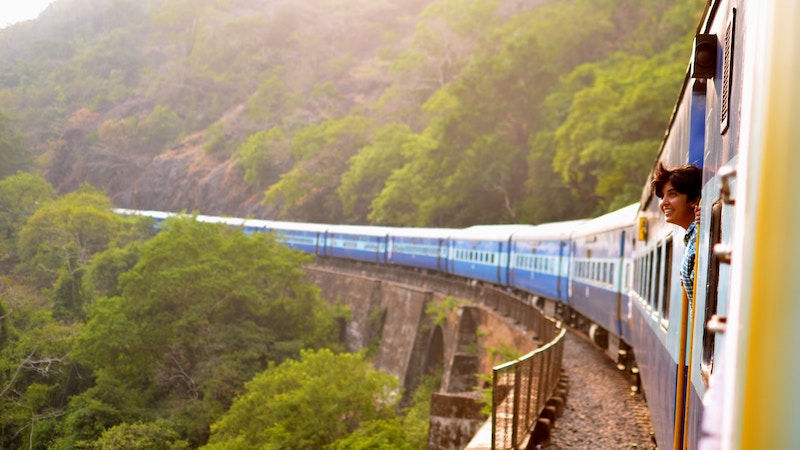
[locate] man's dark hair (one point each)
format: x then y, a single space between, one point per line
686 179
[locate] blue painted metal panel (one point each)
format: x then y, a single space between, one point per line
359 247
484 260
426 253
658 370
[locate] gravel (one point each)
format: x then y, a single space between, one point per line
601 411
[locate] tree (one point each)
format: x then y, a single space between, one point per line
310 403
14 155
62 236
204 309
36 375
140 436
264 156
606 143
20 196
369 170
322 152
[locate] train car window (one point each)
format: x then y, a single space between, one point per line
648 288
666 282
646 279
653 282
657 291
712 280
626 270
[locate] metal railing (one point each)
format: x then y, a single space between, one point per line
521 390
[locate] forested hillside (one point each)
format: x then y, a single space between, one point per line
414 112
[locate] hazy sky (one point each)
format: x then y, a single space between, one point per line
13 11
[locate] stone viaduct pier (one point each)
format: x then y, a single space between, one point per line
420 323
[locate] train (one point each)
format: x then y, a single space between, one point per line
719 371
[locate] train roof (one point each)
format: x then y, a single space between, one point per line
549 231
621 218
423 232
272 225
489 232
364 230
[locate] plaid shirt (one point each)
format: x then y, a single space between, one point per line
687 265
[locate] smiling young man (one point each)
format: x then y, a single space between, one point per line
679 191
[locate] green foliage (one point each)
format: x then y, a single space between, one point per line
370 169
263 156
309 403
106 267
14 155
608 140
423 112
20 196
140 436
376 434
203 310
322 152
441 310
64 234
417 417
36 376
504 353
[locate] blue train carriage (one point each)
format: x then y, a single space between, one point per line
364 243
540 262
425 248
305 237
482 252
656 295
600 279
252 226
675 348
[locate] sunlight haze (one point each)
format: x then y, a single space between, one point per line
13 11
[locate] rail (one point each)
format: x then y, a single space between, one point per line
522 390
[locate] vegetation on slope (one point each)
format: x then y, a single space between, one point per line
417 112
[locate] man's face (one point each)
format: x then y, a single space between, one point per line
676 207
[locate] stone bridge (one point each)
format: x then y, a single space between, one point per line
419 323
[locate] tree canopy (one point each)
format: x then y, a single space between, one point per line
309 403
204 309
